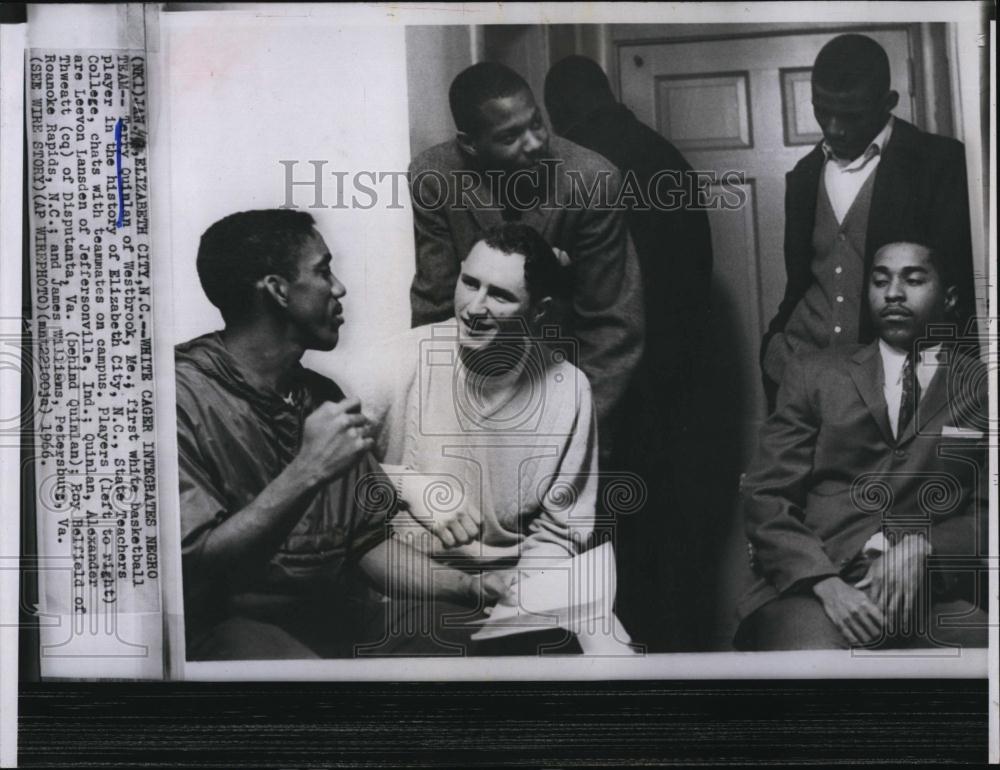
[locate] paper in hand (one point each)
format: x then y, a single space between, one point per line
575 594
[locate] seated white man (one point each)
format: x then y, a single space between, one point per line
485 426
866 504
280 500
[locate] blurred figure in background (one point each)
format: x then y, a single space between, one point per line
660 547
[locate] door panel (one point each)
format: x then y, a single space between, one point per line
704 112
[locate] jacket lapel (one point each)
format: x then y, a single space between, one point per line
491 215
482 204
537 218
894 185
802 194
867 375
934 399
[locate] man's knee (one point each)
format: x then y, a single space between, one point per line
958 623
244 639
417 628
791 623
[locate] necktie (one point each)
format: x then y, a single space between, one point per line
910 396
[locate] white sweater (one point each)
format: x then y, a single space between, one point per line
522 447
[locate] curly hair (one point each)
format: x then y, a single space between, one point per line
476 85
852 61
240 249
543 275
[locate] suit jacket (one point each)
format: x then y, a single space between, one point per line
606 316
828 473
920 195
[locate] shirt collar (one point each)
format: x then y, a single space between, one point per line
877 147
893 360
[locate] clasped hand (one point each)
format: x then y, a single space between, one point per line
457 525
334 439
896 579
890 588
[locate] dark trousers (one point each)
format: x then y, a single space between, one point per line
367 629
359 628
799 622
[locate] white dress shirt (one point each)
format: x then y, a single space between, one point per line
844 178
892 368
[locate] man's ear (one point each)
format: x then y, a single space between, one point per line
541 310
276 287
950 300
466 144
891 100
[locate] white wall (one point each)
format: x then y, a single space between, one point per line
436 55
240 92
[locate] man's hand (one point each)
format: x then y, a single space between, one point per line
492 587
395 568
334 439
458 526
851 611
454 528
500 586
896 578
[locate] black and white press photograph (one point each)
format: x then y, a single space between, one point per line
501 343
574 342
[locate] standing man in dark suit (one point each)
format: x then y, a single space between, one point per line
503 166
875 179
675 254
866 506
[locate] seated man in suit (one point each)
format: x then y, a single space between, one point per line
869 466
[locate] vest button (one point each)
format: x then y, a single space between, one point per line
900 453
842 237
838 270
836 329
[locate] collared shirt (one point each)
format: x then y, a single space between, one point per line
843 178
892 368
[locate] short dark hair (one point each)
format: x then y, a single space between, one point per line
543 275
944 266
849 62
575 75
240 249
572 87
476 85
